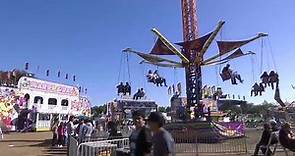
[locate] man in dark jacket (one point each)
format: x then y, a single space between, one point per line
264 139
286 137
140 138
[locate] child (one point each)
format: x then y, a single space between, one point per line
60 134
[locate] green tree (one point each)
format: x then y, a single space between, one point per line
162 109
97 111
168 109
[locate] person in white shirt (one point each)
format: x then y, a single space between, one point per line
70 131
88 129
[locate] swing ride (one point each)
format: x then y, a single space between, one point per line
191 52
191 64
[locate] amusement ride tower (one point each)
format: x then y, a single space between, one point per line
193 71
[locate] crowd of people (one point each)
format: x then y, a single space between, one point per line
272 134
82 129
148 135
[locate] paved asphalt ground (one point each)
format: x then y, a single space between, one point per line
38 144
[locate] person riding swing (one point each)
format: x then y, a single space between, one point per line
273 78
256 89
265 79
127 89
159 80
150 76
120 88
227 74
139 94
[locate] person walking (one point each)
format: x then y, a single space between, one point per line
162 141
263 140
81 134
60 135
70 129
140 138
54 132
88 129
113 130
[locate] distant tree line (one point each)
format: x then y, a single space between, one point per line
98 111
10 78
249 108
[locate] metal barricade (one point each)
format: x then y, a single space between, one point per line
226 146
102 148
73 146
185 144
189 142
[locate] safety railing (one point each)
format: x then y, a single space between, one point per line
102 148
73 146
208 142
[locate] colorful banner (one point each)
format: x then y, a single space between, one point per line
49 87
10 104
236 126
83 106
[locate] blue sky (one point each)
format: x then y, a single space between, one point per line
85 38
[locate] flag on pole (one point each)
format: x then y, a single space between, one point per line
85 91
80 89
58 74
67 76
74 78
26 66
47 72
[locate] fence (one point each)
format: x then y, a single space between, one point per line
73 146
209 139
204 140
227 146
102 148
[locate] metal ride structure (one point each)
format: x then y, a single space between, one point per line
193 72
192 51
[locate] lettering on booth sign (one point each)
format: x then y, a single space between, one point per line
51 106
52 88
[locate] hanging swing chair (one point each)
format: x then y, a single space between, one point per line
268 80
124 89
155 78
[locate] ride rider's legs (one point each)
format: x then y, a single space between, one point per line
164 81
233 80
237 76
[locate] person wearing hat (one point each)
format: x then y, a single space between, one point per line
163 143
140 138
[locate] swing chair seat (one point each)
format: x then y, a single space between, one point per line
150 81
225 77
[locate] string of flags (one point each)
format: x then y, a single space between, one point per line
59 74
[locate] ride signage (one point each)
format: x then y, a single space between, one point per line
49 87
